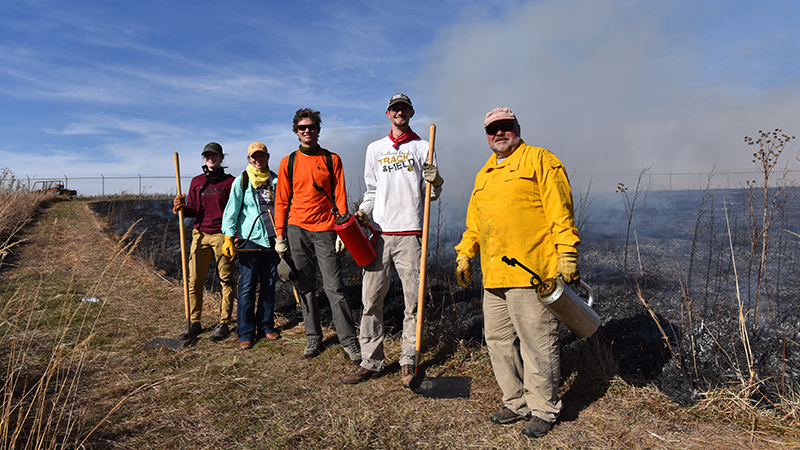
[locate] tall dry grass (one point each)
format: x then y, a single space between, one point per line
739 261
46 337
17 208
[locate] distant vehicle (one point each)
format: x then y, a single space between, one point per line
54 187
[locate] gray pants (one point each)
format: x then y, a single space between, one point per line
307 249
403 253
522 339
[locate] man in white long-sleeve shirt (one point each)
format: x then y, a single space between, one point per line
395 173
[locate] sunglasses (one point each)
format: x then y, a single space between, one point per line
505 127
311 127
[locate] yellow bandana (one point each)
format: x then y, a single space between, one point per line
257 176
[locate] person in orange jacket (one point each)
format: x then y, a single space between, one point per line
304 226
520 207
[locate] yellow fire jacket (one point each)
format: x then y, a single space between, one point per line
521 208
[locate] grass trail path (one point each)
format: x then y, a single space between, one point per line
213 396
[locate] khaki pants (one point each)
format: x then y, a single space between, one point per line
207 248
403 254
522 338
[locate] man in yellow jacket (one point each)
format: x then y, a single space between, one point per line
520 207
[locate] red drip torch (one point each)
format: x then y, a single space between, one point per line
355 240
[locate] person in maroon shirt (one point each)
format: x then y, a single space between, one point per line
207 196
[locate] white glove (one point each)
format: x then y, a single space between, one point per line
281 246
339 246
431 174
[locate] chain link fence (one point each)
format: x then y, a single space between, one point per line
655 181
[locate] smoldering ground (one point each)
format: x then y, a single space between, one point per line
678 308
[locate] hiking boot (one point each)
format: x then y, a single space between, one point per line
505 416
245 345
407 374
312 348
272 336
220 333
536 427
192 333
354 352
358 375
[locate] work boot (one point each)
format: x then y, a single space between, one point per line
358 375
536 427
312 348
354 352
407 372
191 333
505 416
220 333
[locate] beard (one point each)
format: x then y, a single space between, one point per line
504 147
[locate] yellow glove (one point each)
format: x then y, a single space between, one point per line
178 202
227 247
462 269
568 267
362 218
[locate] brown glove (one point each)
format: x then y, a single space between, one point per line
362 218
463 270
178 202
285 271
568 267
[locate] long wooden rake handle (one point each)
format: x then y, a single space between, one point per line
424 258
184 269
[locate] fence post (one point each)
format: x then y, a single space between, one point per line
140 184
102 186
29 182
66 182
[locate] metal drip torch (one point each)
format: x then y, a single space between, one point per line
563 302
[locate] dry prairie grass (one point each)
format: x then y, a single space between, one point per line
103 388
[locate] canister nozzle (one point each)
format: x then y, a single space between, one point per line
536 281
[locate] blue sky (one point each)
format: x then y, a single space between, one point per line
612 87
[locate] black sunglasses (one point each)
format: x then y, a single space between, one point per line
310 127
505 127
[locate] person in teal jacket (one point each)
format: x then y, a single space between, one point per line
248 217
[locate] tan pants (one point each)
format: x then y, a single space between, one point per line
403 253
522 338
207 248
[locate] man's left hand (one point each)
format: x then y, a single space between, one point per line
568 267
431 174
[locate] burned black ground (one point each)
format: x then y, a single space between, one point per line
664 282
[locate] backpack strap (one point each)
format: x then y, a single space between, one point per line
244 183
290 170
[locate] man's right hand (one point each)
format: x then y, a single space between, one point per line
362 218
463 271
281 246
178 202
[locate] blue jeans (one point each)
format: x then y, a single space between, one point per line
256 319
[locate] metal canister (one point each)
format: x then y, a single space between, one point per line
568 307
